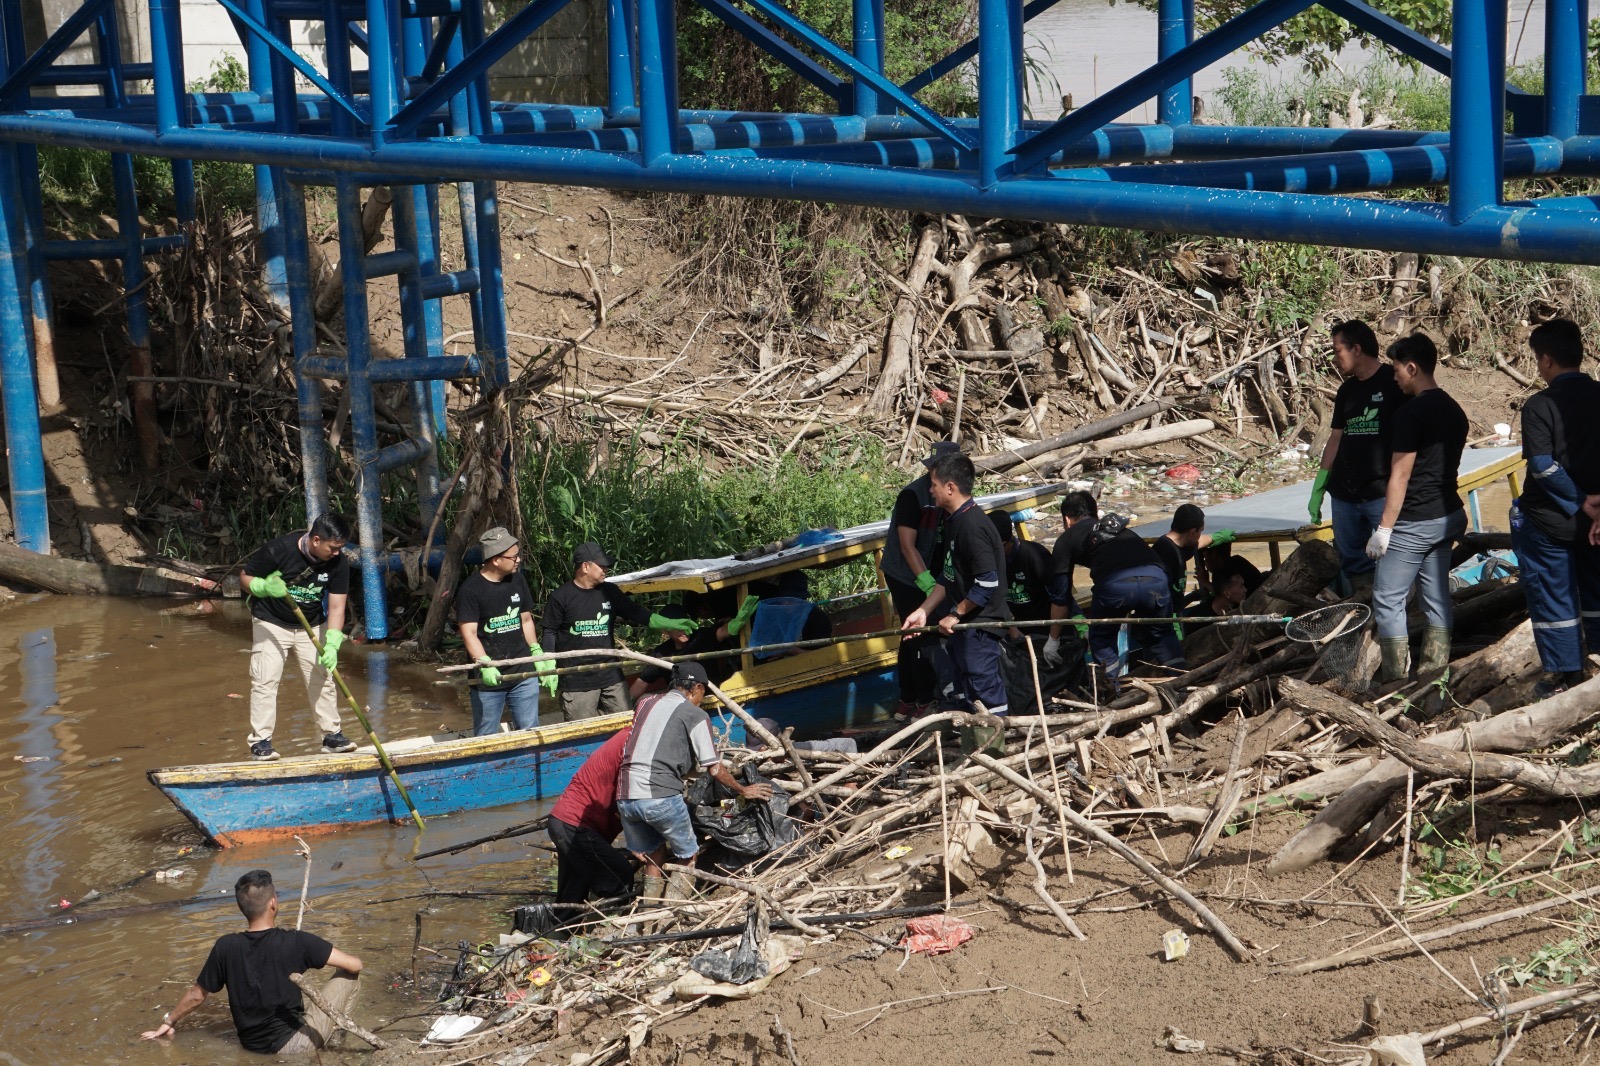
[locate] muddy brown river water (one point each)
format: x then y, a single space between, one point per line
95 692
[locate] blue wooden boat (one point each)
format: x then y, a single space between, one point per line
848 683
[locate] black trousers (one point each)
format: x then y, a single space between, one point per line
923 667
587 863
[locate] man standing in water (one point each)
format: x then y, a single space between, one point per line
254 966
310 569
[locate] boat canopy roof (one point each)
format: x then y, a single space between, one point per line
832 549
1276 515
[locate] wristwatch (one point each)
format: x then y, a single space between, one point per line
166 1020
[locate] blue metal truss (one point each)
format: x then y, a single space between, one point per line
422 115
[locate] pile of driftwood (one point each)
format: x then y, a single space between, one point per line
911 820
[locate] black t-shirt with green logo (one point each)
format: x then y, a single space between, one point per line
309 581
1028 570
1364 411
497 607
254 967
577 619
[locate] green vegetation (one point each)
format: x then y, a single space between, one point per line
648 506
1562 963
1446 867
1317 36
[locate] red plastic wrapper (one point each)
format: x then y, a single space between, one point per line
935 935
1184 472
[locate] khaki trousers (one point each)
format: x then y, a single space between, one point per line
591 703
340 992
270 645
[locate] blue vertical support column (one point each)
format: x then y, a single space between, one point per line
166 56
303 332
999 85
658 78
135 297
621 16
1477 105
1174 32
408 229
491 338
44 343
1565 39
867 46
265 71
466 193
30 517
416 44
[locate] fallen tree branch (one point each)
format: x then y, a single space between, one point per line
340 1018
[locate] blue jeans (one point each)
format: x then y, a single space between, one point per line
1138 592
1420 552
976 655
1562 583
489 704
648 824
1353 524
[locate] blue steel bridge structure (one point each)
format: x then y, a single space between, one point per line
402 98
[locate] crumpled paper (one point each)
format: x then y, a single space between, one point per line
1395 1051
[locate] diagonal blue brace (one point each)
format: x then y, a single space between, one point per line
1399 36
967 51
270 39
54 46
809 34
475 63
441 47
1219 43
778 48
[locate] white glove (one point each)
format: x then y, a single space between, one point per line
1052 652
1379 542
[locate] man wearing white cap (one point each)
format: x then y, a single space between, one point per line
495 611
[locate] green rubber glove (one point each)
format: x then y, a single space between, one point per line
270 587
547 683
926 581
329 659
1319 488
1222 537
747 611
489 675
682 625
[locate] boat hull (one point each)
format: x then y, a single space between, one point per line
242 803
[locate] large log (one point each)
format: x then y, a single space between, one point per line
1100 427
1139 438
1429 759
1523 729
1305 573
76 577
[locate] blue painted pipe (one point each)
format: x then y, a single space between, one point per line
427 368
999 86
658 80
24 452
106 248
866 25
388 264
1477 105
620 17
1174 33
303 335
1565 38
92 73
454 283
1506 233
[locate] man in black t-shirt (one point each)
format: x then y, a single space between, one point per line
495 612
909 548
1549 530
1422 514
1355 461
1128 581
1180 543
310 569
975 565
582 615
268 1011
1027 576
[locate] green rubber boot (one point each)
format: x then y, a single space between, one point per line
1435 649
1395 651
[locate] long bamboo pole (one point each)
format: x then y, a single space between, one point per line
383 756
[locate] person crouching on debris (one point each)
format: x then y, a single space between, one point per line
1422 513
582 825
974 564
268 1011
671 739
495 611
309 569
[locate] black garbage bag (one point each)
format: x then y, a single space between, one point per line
745 963
746 829
1070 679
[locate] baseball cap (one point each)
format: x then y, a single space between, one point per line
940 450
590 552
689 674
496 541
